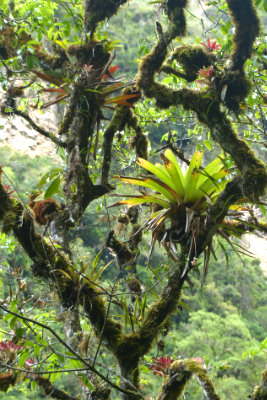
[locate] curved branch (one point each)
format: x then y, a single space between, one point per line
180 374
247 28
37 128
135 345
123 116
50 390
260 391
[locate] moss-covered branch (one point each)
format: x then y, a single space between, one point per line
180 374
11 41
123 116
96 11
135 345
260 392
50 390
191 59
247 28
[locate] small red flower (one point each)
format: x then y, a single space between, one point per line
207 75
6 187
161 365
211 46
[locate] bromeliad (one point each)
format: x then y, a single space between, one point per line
179 198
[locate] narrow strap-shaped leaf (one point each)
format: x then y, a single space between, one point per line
157 171
211 169
169 154
174 175
152 183
141 200
194 165
191 185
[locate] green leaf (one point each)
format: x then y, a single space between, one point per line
19 332
13 322
169 154
96 259
23 358
52 188
36 350
194 165
141 200
86 381
43 180
175 177
152 183
190 188
156 171
50 33
207 143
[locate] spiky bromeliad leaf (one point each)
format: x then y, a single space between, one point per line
154 184
141 200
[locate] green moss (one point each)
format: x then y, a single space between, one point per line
175 12
96 11
135 238
91 53
192 59
260 392
255 182
180 374
118 122
9 220
123 219
173 388
122 251
95 307
140 143
237 86
247 26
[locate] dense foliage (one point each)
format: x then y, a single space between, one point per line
89 310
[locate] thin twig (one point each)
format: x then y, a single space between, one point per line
42 131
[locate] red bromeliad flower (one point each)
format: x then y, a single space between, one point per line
211 46
10 347
207 75
161 365
8 351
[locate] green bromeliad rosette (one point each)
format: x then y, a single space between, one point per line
179 198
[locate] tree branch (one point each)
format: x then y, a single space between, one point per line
95 12
260 392
42 131
180 374
50 390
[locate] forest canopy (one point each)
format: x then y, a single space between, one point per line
123 273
